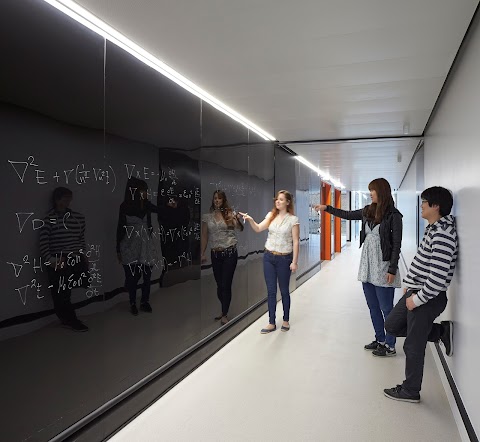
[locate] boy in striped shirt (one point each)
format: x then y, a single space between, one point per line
425 297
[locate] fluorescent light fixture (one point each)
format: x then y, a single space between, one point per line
325 176
93 23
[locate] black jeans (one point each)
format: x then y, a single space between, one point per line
418 327
132 276
224 264
62 281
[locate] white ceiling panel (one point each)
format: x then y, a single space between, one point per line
356 164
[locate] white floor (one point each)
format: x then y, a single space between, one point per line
314 383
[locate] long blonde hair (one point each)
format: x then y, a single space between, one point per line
290 207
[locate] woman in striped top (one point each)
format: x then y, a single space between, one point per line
425 296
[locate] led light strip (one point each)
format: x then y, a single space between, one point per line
325 176
88 20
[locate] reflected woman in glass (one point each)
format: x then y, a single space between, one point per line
281 254
381 237
62 242
218 228
136 249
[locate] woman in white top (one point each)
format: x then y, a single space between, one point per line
281 254
218 227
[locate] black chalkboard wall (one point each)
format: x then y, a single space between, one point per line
78 113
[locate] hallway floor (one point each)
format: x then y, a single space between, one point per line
313 383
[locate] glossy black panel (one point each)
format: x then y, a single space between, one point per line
51 133
261 171
153 239
224 167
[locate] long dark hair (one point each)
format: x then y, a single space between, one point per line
376 211
225 209
290 207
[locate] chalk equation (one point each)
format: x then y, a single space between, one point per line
183 260
64 264
238 189
162 234
79 174
82 174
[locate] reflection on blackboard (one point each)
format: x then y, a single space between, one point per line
136 249
218 228
63 247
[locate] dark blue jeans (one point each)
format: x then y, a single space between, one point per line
224 264
132 276
380 303
277 268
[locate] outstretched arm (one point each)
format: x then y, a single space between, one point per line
256 227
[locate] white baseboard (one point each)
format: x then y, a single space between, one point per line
451 398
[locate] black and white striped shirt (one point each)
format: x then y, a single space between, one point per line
62 233
432 268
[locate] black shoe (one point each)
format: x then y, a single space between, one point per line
447 337
372 346
146 307
384 351
399 394
75 325
133 310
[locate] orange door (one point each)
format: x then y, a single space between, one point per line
326 222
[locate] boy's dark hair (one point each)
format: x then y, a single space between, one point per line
439 196
59 193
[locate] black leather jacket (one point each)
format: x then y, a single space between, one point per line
390 232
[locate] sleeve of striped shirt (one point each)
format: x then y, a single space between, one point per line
82 235
45 240
443 253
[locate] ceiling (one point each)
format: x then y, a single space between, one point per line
311 69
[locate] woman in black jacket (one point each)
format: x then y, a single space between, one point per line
381 237
136 248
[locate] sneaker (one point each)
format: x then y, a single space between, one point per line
447 337
372 346
384 351
146 307
399 394
75 325
133 310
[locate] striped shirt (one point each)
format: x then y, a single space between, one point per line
62 233
433 266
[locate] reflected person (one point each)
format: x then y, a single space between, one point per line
218 228
136 249
62 245
381 237
281 254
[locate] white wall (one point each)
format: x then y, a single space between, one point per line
407 204
452 160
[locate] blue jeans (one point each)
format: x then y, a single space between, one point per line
380 303
277 268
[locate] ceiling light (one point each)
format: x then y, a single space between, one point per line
324 175
87 19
